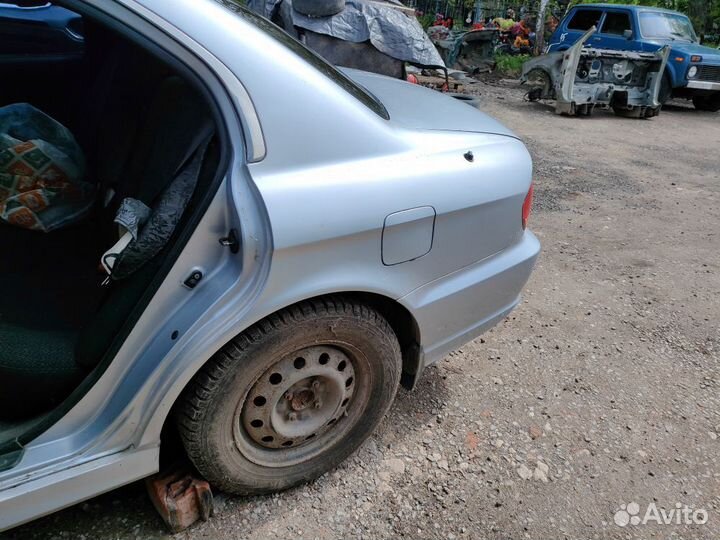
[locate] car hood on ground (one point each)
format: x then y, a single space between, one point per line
413 106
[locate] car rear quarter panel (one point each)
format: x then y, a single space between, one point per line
327 219
334 170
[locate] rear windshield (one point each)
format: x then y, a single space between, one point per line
657 24
585 19
316 61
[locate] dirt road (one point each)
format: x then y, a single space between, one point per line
602 389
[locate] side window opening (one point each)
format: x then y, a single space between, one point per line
30 28
100 140
584 19
616 22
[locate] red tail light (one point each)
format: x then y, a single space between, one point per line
527 207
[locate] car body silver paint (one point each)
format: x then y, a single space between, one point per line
44 495
402 99
311 214
458 307
407 235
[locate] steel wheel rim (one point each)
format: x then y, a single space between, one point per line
279 422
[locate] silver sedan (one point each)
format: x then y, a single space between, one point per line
358 229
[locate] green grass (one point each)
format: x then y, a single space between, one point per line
510 66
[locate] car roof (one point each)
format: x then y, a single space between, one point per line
626 6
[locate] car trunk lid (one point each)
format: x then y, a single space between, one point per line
416 107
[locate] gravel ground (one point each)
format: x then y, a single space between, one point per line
600 390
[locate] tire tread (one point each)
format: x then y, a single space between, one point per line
206 384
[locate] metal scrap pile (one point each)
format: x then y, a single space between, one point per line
373 35
472 51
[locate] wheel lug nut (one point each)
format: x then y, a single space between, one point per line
316 385
318 404
292 416
289 396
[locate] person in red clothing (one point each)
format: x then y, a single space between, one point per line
520 29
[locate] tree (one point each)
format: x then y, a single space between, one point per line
540 27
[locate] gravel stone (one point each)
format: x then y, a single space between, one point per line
524 472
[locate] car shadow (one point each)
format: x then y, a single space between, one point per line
674 107
683 107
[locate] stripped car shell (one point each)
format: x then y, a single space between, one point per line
583 77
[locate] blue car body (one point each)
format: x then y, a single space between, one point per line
692 70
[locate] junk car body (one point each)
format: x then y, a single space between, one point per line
692 71
584 77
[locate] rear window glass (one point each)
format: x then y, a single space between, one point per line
616 23
584 19
312 58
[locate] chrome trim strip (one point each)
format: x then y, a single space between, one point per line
704 85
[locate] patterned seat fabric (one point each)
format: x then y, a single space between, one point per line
41 171
56 322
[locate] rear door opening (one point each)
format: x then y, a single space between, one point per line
148 147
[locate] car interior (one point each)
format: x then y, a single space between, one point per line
147 133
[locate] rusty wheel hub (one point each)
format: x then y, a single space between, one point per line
299 398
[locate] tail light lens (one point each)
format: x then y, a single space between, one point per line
527 207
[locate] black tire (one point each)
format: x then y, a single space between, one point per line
707 103
665 92
213 411
318 8
540 84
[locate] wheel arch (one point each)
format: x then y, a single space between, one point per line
402 322
675 74
546 71
405 327
667 77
